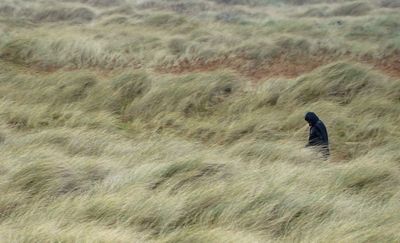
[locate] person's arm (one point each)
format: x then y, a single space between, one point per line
314 138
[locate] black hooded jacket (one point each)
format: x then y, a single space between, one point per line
318 133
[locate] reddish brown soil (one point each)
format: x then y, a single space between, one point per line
389 65
280 67
286 68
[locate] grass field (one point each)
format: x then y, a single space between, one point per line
183 121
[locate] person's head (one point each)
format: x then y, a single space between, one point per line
311 118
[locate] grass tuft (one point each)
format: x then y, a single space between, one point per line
76 15
352 9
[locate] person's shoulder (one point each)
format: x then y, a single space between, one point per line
320 124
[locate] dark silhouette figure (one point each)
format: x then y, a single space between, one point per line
318 134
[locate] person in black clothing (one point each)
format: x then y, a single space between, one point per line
318 134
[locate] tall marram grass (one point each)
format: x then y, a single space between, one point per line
152 121
259 183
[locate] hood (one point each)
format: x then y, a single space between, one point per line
311 118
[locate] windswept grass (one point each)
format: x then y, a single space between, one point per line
352 9
63 14
177 121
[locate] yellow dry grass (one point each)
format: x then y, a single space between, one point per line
182 121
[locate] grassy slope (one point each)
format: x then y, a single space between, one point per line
182 121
